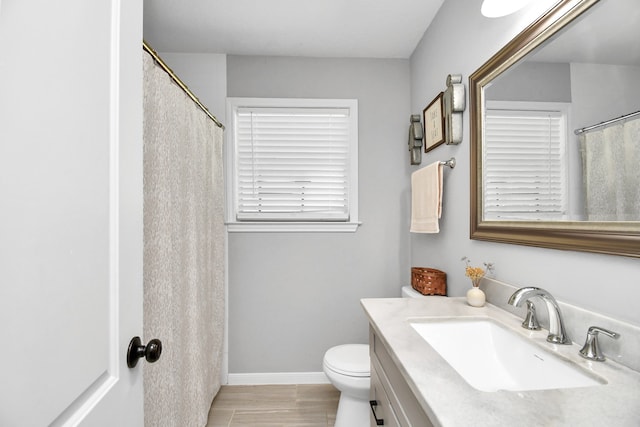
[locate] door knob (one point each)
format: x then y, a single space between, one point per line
151 352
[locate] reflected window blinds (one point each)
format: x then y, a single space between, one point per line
524 165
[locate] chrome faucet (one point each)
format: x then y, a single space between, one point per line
557 333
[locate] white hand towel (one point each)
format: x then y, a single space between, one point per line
426 199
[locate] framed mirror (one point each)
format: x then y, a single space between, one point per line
555 132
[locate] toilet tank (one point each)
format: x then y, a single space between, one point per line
409 292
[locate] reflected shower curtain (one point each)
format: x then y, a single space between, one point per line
611 172
183 253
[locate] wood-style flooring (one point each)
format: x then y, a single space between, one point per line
275 406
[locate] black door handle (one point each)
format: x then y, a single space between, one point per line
151 352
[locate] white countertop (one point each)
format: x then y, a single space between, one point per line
450 401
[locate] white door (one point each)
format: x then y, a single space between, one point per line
70 212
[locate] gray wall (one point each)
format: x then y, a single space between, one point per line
603 92
205 74
604 283
533 82
294 295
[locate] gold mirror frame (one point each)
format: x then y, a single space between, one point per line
608 238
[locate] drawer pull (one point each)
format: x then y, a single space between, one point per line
373 404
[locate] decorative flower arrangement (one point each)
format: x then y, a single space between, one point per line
476 273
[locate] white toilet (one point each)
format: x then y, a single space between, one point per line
348 367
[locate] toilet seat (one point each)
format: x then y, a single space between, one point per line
349 359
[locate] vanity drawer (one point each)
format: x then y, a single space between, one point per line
382 406
402 401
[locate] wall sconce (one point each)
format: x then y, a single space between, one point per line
415 139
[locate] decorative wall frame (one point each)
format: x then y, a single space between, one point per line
433 118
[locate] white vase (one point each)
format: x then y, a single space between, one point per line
475 297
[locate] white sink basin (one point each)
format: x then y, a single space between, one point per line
490 357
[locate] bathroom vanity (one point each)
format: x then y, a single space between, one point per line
392 401
413 384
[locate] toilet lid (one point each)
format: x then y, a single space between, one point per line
349 359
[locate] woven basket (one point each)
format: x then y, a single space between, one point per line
429 281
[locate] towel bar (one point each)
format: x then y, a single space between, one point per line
451 162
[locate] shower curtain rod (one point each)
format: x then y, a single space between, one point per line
608 122
165 67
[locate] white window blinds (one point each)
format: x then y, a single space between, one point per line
294 164
524 177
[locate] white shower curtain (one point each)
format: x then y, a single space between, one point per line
611 172
183 253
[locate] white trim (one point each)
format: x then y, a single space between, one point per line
278 378
292 227
565 107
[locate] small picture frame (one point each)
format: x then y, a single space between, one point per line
433 119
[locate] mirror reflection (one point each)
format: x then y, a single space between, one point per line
561 131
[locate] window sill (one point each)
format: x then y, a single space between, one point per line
292 227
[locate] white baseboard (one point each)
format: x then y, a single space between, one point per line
278 378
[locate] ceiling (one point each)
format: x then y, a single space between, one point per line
315 28
608 33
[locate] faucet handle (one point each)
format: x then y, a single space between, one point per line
531 321
591 349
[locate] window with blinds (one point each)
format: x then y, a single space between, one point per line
524 175
294 160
